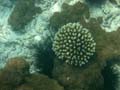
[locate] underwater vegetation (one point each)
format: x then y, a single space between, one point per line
84 78
23 12
74 44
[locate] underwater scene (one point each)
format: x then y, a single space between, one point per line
59 44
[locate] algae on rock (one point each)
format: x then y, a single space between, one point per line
23 12
40 82
74 13
16 76
14 73
107 46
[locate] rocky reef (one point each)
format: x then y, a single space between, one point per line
107 46
23 12
50 72
16 76
74 13
14 73
39 82
71 77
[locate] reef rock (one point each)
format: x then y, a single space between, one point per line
16 76
69 13
73 78
23 12
40 82
89 77
14 73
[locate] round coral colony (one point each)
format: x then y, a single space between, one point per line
74 44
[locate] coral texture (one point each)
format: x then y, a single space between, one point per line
74 44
